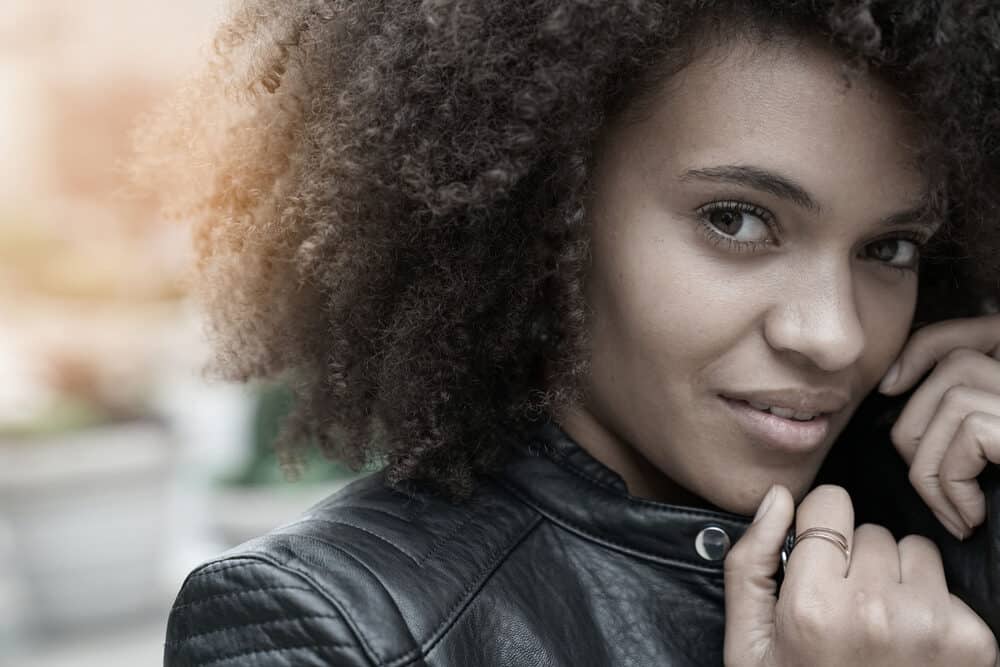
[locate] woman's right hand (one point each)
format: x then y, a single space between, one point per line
889 606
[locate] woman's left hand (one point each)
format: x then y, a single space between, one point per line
949 430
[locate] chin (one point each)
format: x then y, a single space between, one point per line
746 500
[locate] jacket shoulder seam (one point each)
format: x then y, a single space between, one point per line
347 616
341 522
458 608
313 587
260 624
243 591
283 649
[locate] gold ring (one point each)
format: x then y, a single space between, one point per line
827 534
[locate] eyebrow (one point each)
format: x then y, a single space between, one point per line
783 187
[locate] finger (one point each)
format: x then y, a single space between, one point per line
817 560
925 470
930 344
970 632
920 563
749 571
875 558
976 445
960 367
926 587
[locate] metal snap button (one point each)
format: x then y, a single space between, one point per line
712 543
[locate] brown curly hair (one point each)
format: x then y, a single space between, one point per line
389 194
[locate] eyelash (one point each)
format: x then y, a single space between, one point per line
714 236
720 239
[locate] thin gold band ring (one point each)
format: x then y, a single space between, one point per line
827 534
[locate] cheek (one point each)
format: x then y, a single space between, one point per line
663 305
886 315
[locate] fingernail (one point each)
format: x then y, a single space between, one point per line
890 377
954 527
765 504
966 520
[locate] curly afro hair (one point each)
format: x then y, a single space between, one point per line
388 195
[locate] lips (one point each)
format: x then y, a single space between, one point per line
774 432
811 400
784 413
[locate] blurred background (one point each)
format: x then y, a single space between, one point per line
121 468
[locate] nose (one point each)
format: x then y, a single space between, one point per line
816 317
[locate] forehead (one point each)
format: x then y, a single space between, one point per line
786 106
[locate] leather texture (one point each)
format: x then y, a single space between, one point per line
550 563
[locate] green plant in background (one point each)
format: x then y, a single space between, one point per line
273 403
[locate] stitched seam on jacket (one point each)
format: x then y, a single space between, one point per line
228 566
267 650
237 626
672 509
364 530
248 591
420 652
632 551
444 539
495 561
357 630
334 602
370 508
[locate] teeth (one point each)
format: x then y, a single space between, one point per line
786 413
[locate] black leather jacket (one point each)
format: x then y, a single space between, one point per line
550 563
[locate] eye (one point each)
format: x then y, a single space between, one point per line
740 226
900 252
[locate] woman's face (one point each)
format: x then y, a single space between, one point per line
752 238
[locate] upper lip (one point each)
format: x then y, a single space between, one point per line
823 401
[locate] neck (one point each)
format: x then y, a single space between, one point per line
642 478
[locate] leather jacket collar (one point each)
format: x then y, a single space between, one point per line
565 483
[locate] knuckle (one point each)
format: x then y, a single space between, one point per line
900 434
930 629
969 636
805 614
920 481
919 339
961 356
927 626
954 397
733 563
874 617
896 432
739 561
981 647
975 424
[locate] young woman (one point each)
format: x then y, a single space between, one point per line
619 293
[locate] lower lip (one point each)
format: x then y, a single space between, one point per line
777 432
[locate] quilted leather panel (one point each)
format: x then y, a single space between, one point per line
248 611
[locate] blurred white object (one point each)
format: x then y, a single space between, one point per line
22 392
86 512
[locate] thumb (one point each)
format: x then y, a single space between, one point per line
749 580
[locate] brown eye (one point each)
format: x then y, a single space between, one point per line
745 225
728 222
899 253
